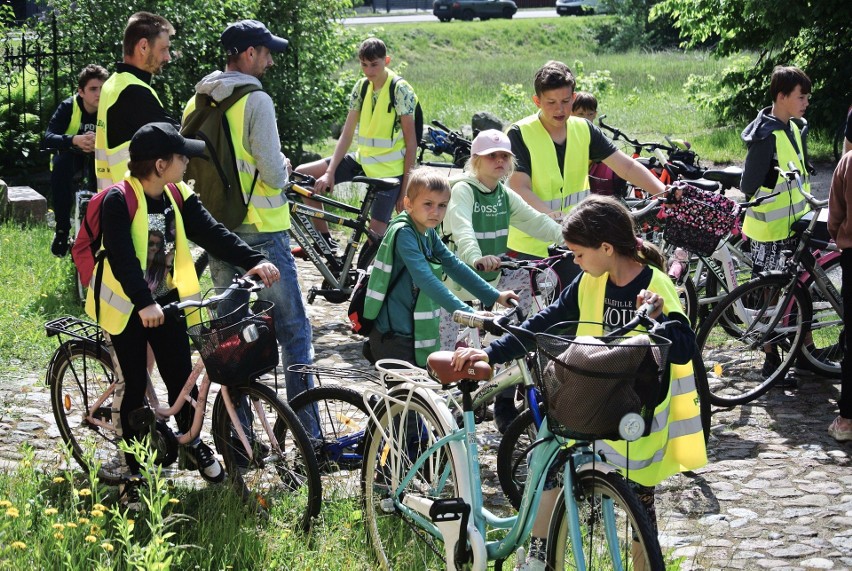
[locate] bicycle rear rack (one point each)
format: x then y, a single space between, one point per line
78 328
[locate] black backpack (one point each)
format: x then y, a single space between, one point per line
360 324
217 180
418 111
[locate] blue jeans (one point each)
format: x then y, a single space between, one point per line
292 327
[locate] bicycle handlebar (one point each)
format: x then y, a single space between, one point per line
495 324
247 283
793 175
649 146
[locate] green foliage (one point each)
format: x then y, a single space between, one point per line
597 82
19 123
813 35
631 27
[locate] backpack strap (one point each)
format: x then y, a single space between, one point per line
392 103
226 104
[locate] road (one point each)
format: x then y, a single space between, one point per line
429 17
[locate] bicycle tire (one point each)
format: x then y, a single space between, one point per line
398 542
827 329
342 416
367 254
287 484
728 347
512 465
597 491
688 299
72 388
702 387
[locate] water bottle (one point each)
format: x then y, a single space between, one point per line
678 263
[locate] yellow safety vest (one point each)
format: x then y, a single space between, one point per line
111 162
76 115
115 305
559 191
381 148
771 220
676 441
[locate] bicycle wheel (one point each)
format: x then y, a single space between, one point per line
282 475
79 374
614 526
512 465
743 353
342 417
688 299
398 541
367 254
826 352
703 389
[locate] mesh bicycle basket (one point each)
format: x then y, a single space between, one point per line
590 383
699 219
238 346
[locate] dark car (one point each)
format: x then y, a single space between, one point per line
446 10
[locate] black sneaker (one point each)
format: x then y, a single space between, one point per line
770 365
128 493
805 368
201 458
59 247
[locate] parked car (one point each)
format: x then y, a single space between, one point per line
446 10
578 7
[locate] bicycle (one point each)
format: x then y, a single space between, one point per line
266 452
339 273
772 314
420 480
440 140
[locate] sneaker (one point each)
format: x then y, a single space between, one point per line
59 247
839 433
531 564
128 493
200 457
504 413
770 365
805 368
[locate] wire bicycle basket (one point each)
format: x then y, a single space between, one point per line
699 219
238 346
590 383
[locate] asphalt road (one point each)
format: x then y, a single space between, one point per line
423 16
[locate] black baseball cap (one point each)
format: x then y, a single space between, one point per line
158 140
242 35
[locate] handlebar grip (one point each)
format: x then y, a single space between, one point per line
441 125
303 178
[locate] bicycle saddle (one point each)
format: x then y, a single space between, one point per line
729 176
378 184
440 368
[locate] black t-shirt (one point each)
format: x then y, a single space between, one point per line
136 106
600 147
55 137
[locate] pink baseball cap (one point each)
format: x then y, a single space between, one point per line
490 141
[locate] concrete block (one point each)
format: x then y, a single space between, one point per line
25 205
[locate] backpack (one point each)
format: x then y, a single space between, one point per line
360 324
217 180
418 111
87 251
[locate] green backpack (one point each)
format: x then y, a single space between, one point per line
217 180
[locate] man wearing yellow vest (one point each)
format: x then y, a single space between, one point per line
776 137
71 133
127 99
249 46
553 151
387 140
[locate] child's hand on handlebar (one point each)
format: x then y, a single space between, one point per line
505 296
487 264
153 316
464 355
325 183
646 296
267 272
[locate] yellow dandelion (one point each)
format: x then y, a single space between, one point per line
90 538
19 545
58 535
51 511
99 507
97 513
85 492
71 524
174 501
95 528
58 526
107 546
130 524
13 512
83 521
58 480
5 504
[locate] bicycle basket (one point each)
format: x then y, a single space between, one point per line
239 346
699 219
590 383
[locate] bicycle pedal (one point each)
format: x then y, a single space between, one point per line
449 509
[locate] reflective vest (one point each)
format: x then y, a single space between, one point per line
676 440
115 306
771 220
426 313
76 116
559 191
381 148
490 221
111 162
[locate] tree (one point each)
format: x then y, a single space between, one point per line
815 35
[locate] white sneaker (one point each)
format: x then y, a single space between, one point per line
524 563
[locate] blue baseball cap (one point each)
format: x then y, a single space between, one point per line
240 36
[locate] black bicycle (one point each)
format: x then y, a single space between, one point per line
440 140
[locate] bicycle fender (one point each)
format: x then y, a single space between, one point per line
598 466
